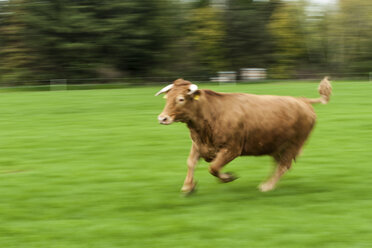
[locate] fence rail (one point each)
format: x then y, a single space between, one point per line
121 82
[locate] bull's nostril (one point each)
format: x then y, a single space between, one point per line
163 119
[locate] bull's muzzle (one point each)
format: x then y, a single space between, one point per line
165 119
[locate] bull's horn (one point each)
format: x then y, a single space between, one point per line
165 89
192 89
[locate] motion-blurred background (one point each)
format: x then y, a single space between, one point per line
158 40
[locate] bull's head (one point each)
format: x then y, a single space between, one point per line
181 97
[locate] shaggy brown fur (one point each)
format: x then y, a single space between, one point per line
224 126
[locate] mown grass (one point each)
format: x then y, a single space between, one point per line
95 169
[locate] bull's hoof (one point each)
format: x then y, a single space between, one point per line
227 177
265 187
188 189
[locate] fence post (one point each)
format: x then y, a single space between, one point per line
58 84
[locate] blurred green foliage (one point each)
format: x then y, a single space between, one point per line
43 40
93 168
289 41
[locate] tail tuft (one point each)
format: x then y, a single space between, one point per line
325 91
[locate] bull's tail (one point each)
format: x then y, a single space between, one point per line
325 91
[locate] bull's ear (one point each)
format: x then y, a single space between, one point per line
196 95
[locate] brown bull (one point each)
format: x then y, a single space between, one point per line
224 126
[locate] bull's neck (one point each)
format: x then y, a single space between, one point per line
204 116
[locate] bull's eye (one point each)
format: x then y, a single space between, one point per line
181 99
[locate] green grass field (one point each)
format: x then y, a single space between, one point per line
93 168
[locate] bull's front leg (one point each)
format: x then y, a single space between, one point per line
223 157
194 156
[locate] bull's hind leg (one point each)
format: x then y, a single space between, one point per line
223 157
189 184
284 163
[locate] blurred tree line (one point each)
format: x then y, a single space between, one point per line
90 39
